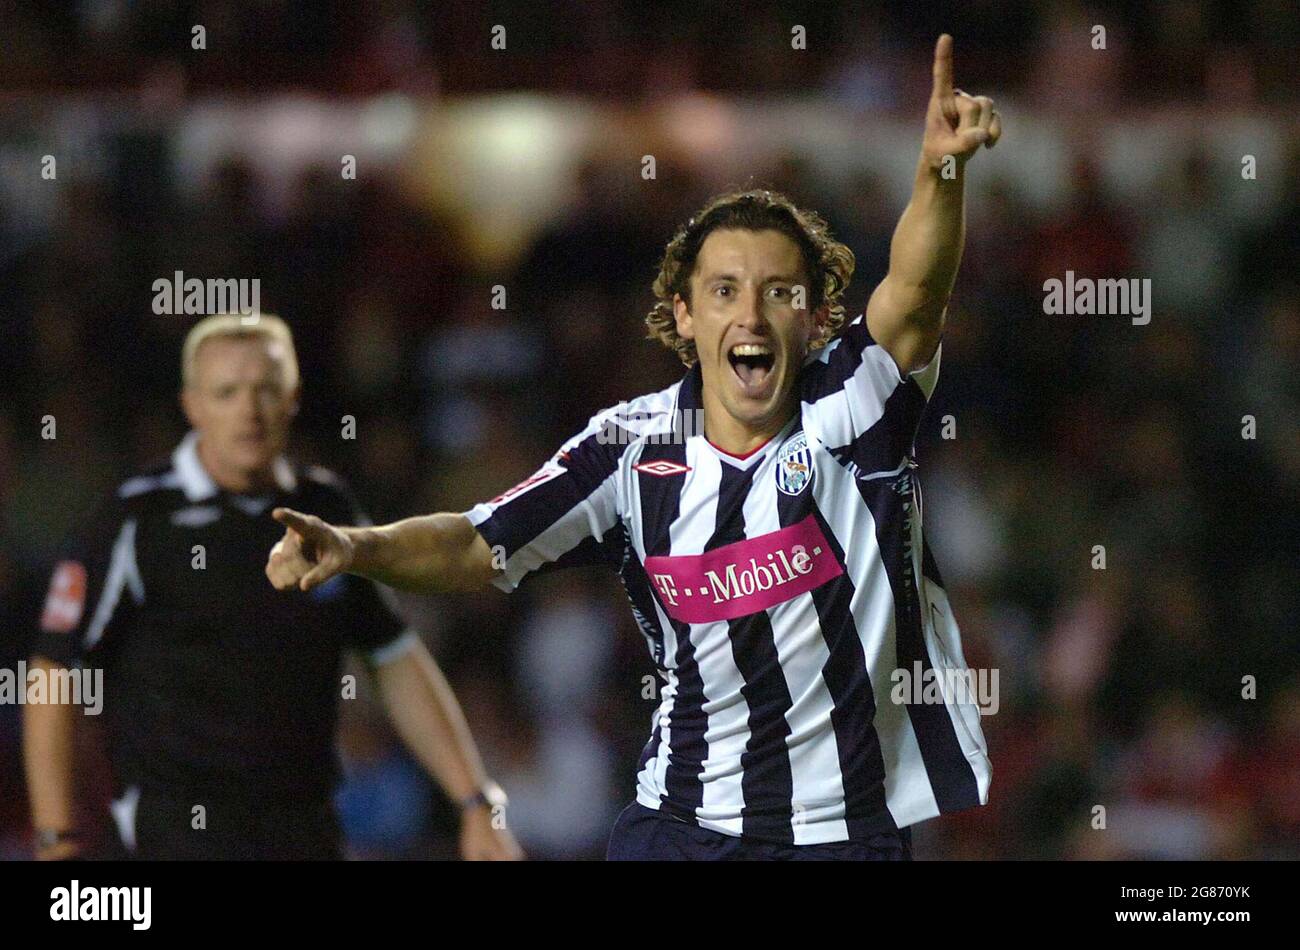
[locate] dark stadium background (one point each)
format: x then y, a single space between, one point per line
522 168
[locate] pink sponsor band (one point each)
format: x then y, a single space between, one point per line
746 576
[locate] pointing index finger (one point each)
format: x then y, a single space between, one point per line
292 519
943 67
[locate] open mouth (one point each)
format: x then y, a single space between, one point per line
752 364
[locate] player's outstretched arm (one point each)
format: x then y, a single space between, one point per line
428 554
905 313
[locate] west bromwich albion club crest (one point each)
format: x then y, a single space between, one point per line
794 466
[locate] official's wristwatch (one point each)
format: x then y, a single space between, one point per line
489 794
49 837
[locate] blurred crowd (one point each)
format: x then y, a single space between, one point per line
867 52
1150 708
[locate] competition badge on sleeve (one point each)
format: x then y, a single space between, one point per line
66 598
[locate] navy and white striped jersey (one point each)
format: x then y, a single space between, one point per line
778 592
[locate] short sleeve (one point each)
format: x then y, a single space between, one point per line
93 585
859 400
566 514
927 377
374 626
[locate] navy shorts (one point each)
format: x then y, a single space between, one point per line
644 834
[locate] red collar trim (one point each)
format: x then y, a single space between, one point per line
741 458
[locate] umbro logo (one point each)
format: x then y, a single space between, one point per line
662 468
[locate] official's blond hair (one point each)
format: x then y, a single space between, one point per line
265 326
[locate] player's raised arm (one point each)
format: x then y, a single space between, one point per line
906 310
430 553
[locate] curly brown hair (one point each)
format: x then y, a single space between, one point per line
828 263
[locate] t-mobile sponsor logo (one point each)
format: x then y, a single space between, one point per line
744 577
754 577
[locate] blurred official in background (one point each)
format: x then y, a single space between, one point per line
221 696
